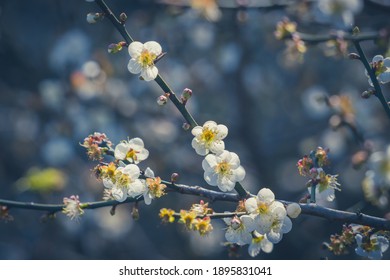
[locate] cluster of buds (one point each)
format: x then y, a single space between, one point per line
114 48
320 183
285 29
196 218
368 243
97 145
336 47
339 244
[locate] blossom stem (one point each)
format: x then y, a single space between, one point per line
378 90
120 26
313 193
216 215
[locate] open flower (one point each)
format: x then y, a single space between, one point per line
72 207
203 226
326 186
209 138
268 213
239 229
223 170
142 59
381 67
373 248
125 183
132 150
259 243
154 187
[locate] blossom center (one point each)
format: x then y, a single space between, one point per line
257 239
208 135
263 207
132 154
122 180
146 58
223 168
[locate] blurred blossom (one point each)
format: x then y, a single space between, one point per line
334 141
159 130
253 78
338 12
207 8
57 151
206 72
70 51
91 69
203 35
52 93
113 227
26 125
230 57
314 102
126 106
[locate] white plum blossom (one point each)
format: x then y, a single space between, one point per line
132 150
239 229
125 183
153 186
381 67
281 224
259 243
72 207
142 59
223 170
375 247
339 12
209 138
326 186
270 215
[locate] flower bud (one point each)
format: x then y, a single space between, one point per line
162 100
353 56
123 17
174 177
114 48
135 213
186 95
293 210
367 94
186 126
355 30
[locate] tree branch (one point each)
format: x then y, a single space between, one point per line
307 209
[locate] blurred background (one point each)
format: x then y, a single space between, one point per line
58 84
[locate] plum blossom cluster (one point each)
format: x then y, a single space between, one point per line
381 68
122 177
195 219
320 185
369 244
97 145
264 224
221 167
295 46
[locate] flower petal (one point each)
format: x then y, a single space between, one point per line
135 49
266 195
251 205
377 58
149 73
153 47
134 67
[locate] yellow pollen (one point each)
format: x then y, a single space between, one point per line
146 58
132 154
223 168
258 239
263 208
208 135
122 180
